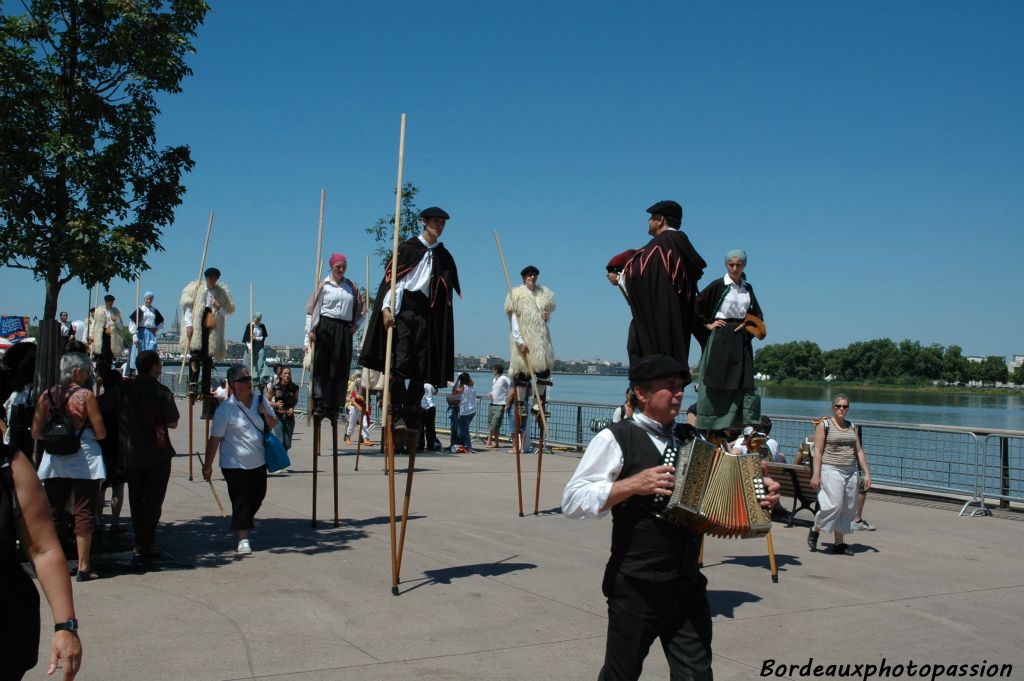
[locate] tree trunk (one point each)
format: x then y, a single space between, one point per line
48 355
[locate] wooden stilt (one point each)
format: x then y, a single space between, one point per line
334 430
316 457
540 456
771 558
517 423
700 556
389 453
191 405
411 442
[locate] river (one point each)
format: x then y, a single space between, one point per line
867 404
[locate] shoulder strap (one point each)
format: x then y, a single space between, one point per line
7 477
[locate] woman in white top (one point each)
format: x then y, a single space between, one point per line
82 472
237 433
467 409
333 314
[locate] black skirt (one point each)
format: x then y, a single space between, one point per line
728 360
331 362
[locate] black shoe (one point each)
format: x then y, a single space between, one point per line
842 549
812 539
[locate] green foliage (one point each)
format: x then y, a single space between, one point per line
1018 375
85 191
876 361
383 231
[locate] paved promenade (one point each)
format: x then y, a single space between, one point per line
486 594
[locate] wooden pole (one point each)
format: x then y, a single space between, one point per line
252 358
386 418
317 268
533 383
199 279
366 388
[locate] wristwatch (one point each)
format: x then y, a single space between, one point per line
71 625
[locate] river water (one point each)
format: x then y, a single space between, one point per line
867 404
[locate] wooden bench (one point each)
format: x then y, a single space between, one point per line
796 484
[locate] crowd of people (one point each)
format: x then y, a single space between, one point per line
652 581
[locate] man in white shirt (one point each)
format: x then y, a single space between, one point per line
424 324
498 396
653 585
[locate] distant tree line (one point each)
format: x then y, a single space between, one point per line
879 361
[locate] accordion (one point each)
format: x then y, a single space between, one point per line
716 492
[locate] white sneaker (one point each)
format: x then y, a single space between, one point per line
244 548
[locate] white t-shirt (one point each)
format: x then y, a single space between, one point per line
467 405
242 430
428 396
499 389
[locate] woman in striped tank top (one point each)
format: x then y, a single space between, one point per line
837 452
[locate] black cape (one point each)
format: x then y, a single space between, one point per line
444 281
661 283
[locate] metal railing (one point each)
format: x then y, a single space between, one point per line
981 464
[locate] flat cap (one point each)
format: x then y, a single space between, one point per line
109 298
529 269
650 367
212 272
434 212
669 208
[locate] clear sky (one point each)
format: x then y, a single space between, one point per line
868 156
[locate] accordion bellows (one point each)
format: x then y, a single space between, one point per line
716 492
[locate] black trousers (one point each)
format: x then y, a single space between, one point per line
639 612
146 490
247 489
428 431
200 361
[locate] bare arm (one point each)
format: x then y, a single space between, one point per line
819 449
39 539
212 445
863 459
92 409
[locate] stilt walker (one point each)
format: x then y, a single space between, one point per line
184 360
522 361
205 303
334 312
415 296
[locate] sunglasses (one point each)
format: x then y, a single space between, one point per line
840 406
243 379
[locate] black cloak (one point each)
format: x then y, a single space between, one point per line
439 357
661 283
159 318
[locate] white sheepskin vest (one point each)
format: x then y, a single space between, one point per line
528 306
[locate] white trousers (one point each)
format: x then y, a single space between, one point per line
355 415
837 499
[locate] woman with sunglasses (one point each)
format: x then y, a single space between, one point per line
237 433
837 453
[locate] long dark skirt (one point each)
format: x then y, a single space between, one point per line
331 362
727 397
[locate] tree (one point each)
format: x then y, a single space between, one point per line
1018 375
383 230
84 190
992 369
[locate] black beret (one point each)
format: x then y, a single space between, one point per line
212 272
109 298
655 366
668 208
529 269
434 212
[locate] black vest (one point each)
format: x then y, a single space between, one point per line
644 546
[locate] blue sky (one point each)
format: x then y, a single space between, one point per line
868 156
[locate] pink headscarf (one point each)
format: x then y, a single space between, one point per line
336 258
